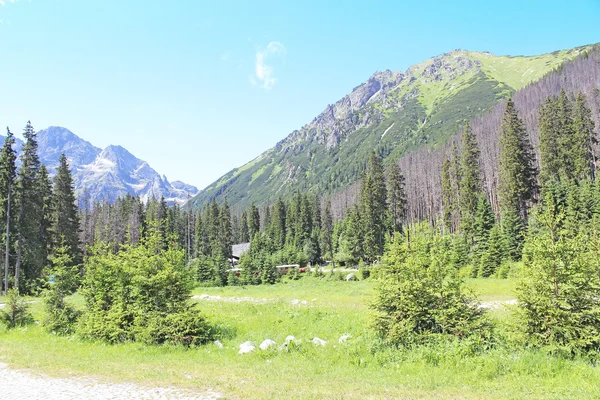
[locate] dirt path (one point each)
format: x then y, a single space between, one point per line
495 305
17 385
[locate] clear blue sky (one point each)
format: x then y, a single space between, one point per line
197 88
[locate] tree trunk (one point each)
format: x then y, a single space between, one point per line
19 249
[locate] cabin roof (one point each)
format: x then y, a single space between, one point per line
238 249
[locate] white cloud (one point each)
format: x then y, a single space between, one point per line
3 2
264 73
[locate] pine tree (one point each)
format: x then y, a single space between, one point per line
65 221
558 296
584 137
448 196
7 180
214 229
373 208
494 253
470 184
564 126
396 197
44 193
327 232
244 232
278 227
483 224
549 141
225 230
30 208
253 221
516 171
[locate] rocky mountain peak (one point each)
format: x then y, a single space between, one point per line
105 173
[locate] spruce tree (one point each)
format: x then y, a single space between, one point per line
485 220
327 232
584 137
516 175
470 184
225 230
494 253
253 221
30 208
7 180
44 192
65 221
373 208
549 141
278 228
448 196
244 232
396 197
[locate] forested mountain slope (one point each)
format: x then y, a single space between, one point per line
393 112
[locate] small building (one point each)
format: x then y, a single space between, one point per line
284 269
238 250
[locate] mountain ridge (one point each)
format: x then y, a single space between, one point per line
105 174
394 112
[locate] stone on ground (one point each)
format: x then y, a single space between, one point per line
266 344
246 347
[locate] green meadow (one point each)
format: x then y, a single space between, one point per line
359 368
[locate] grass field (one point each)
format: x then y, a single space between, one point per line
355 369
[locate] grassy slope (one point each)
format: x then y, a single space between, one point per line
442 107
339 371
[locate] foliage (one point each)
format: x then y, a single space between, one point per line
420 300
559 295
140 294
63 279
16 311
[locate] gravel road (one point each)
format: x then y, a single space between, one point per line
17 385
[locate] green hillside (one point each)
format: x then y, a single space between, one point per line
394 112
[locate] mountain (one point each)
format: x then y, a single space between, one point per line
108 173
393 112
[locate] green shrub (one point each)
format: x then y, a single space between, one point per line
186 327
140 293
59 316
16 311
420 298
559 293
364 270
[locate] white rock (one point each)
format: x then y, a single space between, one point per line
318 342
266 344
343 338
350 277
290 338
304 302
218 344
246 347
295 302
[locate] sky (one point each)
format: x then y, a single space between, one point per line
197 88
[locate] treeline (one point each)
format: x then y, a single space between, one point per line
423 168
303 230
37 214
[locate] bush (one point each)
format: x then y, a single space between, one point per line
60 317
187 328
140 294
16 311
559 307
420 298
364 270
